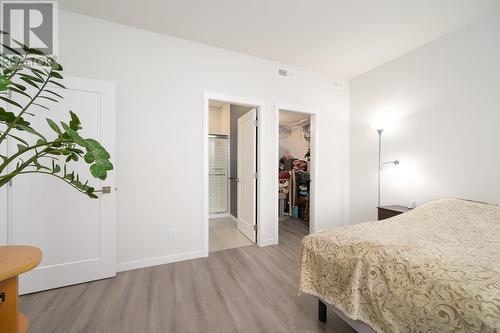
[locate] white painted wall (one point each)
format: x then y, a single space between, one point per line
159 108
441 105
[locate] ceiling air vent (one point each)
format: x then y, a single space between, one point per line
287 73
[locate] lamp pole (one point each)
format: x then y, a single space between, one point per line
379 131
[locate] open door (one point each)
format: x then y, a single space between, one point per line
247 174
75 233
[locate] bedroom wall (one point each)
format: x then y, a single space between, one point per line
440 106
160 82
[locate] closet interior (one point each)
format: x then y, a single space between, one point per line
294 183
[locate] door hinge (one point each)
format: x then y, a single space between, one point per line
256 123
255 227
255 175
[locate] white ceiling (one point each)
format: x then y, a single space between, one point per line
339 37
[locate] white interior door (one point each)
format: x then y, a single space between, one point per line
247 168
75 233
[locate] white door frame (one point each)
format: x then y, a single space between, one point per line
260 106
313 113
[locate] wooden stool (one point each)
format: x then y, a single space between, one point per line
14 260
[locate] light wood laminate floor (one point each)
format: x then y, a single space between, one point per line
223 234
247 289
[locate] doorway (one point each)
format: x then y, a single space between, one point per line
296 163
232 174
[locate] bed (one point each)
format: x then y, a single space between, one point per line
433 269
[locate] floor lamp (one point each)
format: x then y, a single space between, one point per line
380 164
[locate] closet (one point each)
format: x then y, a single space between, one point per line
295 166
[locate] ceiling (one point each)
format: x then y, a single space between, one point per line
338 37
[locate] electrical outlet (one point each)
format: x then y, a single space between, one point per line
171 234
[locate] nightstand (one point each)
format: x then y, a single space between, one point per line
386 212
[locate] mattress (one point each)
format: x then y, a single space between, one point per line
433 269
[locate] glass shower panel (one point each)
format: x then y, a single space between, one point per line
218 163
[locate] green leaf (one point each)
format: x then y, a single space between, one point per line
9 117
54 126
19 139
41 106
70 176
54 93
38 73
49 98
74 135
11 49
38 60
35 51
98 171
19 91
74 123
31 83
55 65
24 47
40 166
90 193
19 86
57 84
106 164
8 100
4 83
30 130
31 77
89 158
56 75
21 148
94 146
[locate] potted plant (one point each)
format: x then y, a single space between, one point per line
52 156
27 81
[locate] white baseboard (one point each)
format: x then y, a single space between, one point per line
135 264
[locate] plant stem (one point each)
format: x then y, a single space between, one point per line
55 175
14 122
19 153
5 179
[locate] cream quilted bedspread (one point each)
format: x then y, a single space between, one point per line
433 269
